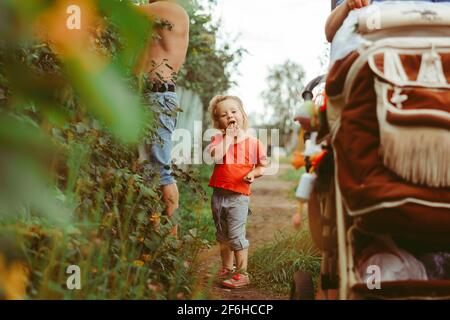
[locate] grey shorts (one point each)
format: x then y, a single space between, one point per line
230 211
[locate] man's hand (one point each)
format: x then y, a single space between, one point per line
338 15
356 4
305 123
297 221
250 177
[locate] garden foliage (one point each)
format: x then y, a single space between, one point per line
72 190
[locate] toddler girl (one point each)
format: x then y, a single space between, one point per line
239 159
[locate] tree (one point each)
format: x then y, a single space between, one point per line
282 98
208 66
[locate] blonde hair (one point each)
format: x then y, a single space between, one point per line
218 99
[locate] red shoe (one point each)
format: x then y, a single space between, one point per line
239 280
224 273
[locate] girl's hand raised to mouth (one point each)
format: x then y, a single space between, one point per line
232 129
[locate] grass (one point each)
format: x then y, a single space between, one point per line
122 254
292 174
285 160
272 266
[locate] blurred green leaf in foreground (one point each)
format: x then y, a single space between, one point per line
72 190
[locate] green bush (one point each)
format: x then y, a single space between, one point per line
196 209
73 190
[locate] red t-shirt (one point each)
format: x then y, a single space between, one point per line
239 160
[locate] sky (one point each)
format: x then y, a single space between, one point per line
272 31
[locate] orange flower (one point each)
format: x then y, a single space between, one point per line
138 263
13 279
180 296
154 287
155 218
146 257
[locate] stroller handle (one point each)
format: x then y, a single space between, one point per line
307 94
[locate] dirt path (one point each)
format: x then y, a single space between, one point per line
273 207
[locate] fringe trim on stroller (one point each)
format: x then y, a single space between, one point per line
418 155
417 152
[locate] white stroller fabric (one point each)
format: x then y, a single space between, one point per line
347 38
418 153
394 264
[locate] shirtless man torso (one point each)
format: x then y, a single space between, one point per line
170 45
161 61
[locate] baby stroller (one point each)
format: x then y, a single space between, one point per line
384 188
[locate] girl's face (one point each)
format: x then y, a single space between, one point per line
228 112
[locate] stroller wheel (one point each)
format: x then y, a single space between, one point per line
302 287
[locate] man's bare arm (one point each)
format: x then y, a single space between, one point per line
338 15
167 11
335 20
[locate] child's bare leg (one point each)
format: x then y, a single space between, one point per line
241 259
227 256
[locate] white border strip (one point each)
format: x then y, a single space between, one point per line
401 45
393 204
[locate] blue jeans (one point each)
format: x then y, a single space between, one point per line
161 150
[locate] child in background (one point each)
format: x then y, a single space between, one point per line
239 159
